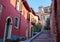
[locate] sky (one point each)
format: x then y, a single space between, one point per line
37 3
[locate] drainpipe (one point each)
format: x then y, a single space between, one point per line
20 12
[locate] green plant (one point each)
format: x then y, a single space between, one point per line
37 27
46 28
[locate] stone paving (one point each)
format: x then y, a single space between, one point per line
44 37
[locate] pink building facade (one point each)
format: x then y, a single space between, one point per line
13 22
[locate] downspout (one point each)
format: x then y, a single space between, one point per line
20 15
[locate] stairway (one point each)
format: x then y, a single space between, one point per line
43 37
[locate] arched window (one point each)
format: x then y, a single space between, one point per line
1 9
16 22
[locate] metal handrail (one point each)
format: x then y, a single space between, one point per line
34 37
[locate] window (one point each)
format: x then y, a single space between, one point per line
16 22
18 5
28 16
24 12
44 17
0 9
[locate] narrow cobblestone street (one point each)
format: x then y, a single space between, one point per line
44 37
30 21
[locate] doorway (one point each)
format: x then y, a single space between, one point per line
27 33
8 29
32 29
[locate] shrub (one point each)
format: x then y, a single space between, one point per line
46 28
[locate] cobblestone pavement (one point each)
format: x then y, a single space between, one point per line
44 37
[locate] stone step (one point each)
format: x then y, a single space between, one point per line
42 40
43 37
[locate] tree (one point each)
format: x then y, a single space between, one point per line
48 22
38 27
47 27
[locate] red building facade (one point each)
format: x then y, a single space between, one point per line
14 22
55 21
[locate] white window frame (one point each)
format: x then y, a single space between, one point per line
17 23
1 9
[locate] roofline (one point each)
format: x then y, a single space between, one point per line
26 5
